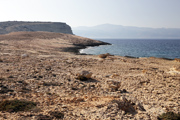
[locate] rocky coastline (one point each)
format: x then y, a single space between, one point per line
43 76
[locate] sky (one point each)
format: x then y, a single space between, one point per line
140 13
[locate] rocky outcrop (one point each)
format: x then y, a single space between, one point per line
71 43
16 26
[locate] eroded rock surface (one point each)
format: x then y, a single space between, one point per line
16 26
34 68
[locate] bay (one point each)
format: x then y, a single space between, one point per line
161 48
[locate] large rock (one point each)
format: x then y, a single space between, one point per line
16 26
84 75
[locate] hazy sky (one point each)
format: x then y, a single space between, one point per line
142 13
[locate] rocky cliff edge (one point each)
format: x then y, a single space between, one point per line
16 26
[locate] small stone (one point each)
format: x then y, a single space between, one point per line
64 106
124 91
24 55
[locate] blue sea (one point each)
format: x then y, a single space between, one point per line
161 48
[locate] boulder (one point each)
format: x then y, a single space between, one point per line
84 75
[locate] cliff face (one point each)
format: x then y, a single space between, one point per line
15 26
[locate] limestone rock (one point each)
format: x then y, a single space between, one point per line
113 85
104 55
15 26
177 68
177 59
24 55
84 75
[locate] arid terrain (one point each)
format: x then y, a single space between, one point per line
44 72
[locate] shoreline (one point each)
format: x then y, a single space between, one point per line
91 47
125 55
87 47
76 49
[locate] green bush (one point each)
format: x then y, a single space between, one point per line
169 116
16 105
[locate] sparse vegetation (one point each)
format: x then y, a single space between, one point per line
1 78
10 76
125 105
24 90
1 60
50 84
43 117
57 114
82 78
104 55
16 105
169 116
4 89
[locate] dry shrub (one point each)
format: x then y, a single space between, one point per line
57 114
104 55
2 79
125 105
16 105
43 117
4 89
82 78
1 60
169 116
50 84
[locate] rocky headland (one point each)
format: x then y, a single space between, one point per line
16 26
41 78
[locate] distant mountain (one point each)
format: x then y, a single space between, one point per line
119 31
16 26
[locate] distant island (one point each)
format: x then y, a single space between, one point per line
16 26
128 32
